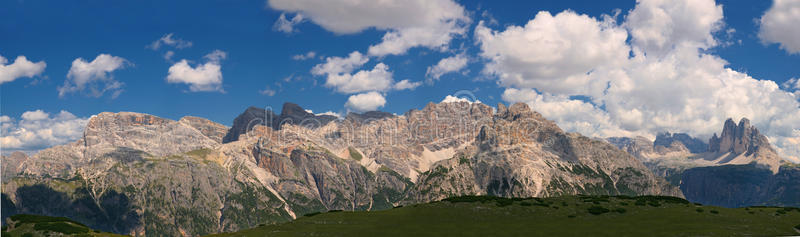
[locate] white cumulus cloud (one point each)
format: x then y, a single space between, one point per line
20 68
452 99
658 26
553 53
37 130
365 102
203 77
330 113
407 85
408 24
339 65
339 75
377 79
779 25
446 65
95 76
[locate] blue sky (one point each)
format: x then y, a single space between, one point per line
259 56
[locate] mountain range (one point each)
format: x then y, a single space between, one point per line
139 174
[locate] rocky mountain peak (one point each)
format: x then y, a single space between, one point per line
291 113
293 110
246 121
675 146
501 108
368 116
452 111
106 119
517 111
738 139
154 135
694 145
636 146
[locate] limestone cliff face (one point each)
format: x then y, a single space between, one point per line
11 164
210 129
518 153
144 175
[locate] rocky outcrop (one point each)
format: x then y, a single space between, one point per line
153 135
742 144
739 139
208 128
246 121
637 146
294 114
11 164
368 116
694 145
290 114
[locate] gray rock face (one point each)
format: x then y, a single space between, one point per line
208 128
694 145
739 139
294 114
246 121
368 116
11 164
290 114
185 178
638 146
148 133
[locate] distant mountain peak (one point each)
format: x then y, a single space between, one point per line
667 139
291 113
292 109
367 116
738 139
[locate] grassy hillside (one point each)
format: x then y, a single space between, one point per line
571 216
33 225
